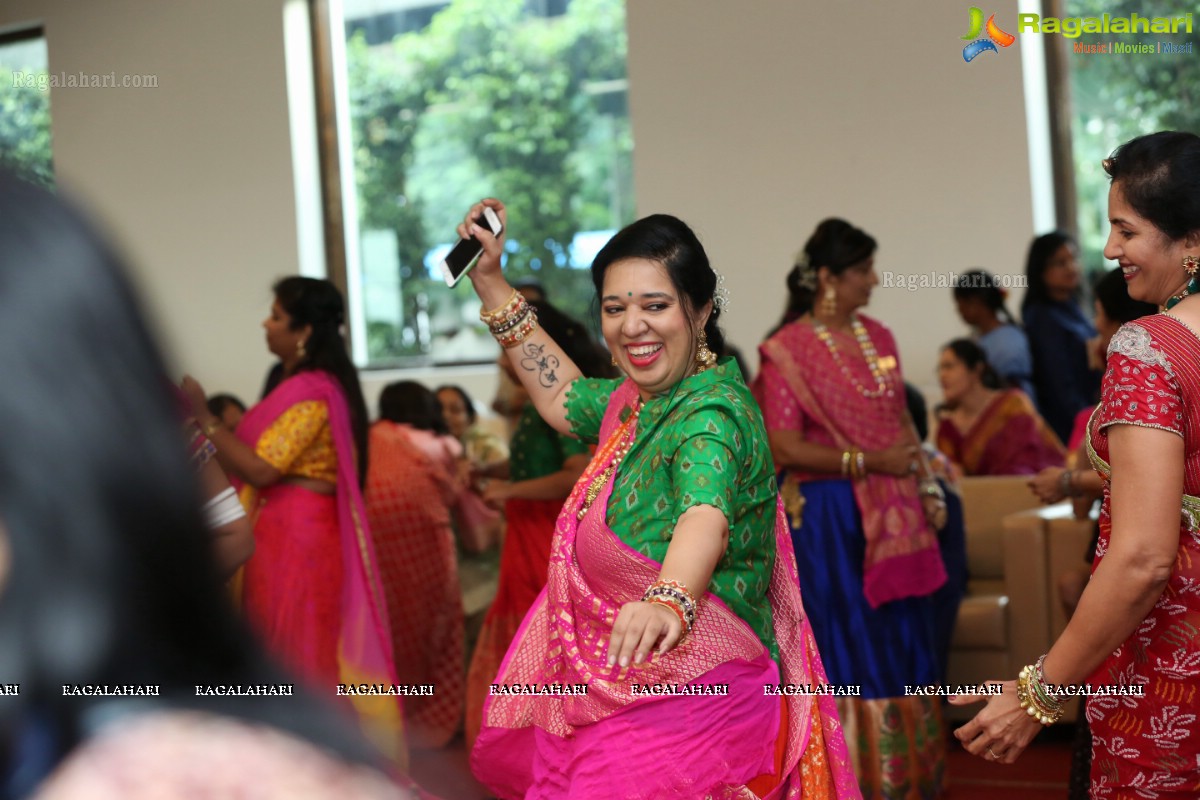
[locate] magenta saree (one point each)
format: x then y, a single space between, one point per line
299 531
614 742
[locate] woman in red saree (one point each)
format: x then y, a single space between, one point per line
621 682
1137 626
411 488
312 589
987 430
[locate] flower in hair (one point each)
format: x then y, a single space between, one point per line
808 273
721 293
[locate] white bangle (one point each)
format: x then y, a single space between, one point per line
223 509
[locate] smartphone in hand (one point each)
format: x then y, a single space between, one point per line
466 253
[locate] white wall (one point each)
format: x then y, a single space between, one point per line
752 120
193 178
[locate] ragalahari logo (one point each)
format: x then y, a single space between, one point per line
995 36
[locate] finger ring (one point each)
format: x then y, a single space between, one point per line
993 755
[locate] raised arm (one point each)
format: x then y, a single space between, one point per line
543 368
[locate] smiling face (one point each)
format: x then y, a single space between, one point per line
646 324
955 377
1150 261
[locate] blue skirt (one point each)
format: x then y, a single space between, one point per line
883 649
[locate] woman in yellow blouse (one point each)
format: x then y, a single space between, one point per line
312 588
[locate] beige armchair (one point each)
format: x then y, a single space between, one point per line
1016 550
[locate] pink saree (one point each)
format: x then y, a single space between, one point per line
611 742
902 557
352 613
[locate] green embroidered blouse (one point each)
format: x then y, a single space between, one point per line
703 443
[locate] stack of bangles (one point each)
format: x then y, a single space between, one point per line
511 323
1036 696
854 464
675 596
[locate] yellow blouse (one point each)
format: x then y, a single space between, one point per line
300 443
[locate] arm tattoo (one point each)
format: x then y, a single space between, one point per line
544 364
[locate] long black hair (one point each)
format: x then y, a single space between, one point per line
575 340
310 301
113 579
1041 250
668 241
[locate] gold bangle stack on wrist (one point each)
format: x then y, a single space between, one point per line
511 323
675 596
854 464
1036 696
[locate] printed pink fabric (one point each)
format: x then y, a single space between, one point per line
611 743
801 387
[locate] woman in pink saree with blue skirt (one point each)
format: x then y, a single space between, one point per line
312 589
651 665
865 510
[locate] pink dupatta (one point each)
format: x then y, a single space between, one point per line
902 557
364 644
564 638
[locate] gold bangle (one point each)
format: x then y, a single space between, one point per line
504 310
846 456
211 427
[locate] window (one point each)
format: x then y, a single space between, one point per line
25 107
450 102
1137 85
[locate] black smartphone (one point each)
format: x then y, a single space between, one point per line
466 253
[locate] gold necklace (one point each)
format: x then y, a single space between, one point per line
620 442
874 362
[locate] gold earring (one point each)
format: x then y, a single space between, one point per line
829 302
300 351
705 358
1191 265
614 360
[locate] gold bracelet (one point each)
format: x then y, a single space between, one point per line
211 427
505 311
846 456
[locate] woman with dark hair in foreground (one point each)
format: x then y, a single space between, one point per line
107 577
